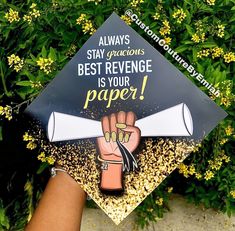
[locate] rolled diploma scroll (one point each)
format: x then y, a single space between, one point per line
174 121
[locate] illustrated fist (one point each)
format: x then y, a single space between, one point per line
120 139
118 127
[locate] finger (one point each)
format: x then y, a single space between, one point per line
130 118
130 121
121 123
121 117
131 129
106 127
113 128
134 138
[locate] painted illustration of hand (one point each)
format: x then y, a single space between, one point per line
120 137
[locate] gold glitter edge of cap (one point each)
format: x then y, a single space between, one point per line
156 161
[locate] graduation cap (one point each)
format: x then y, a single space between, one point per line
117 70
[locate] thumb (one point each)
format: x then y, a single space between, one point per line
133 138
131 129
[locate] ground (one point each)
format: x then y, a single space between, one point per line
182 217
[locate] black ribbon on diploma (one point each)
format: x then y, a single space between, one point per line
129 161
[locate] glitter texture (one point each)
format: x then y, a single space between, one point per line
157 158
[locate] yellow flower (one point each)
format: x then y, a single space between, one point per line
210 2
135 3
215 164
208 175
156 16
159 5
1 110
42 157
6 111
169 189
31 145
199 26
12 59
227 159
203 37
50 160
72 50
225 101
180 15
27 137
228 87
33 5
229 57
223 141
87 27
45 64
198 37
196 147
195 38
165 29
229 130
33 14
126 19
15 62
81 19
54 4
12 15
203 53
192 169
167 40
226 95
220 32
159 201
183 169
216 52
36 84
232 193
28 18
198 176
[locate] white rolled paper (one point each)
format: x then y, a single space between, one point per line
174 121
67 127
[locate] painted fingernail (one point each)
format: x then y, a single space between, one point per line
120 136
114 136
107 136
120 125
126 138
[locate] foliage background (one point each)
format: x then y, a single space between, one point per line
37 38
